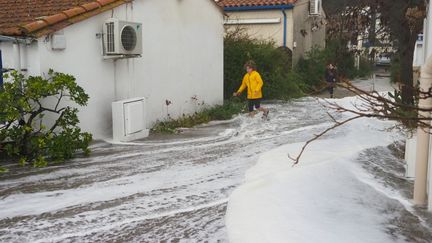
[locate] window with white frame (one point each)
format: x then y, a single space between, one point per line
315 7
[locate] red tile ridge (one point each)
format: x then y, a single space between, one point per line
74 11
105 2
51 20
91 6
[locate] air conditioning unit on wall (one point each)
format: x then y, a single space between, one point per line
122 38
315 7
129 120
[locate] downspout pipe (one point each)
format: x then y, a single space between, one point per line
1 71
18 65
284 28
423 137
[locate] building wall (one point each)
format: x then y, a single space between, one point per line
298 21
273 32
427 35
30 60
182 58
304 37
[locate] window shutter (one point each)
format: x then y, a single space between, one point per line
315 7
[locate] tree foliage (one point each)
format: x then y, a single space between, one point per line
25 106
274 64
384 23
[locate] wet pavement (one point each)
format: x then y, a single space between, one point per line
380 84
387 167
162 189
165 189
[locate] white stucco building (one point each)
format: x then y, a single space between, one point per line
298 25
181 60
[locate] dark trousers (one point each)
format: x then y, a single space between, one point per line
330 88
254 103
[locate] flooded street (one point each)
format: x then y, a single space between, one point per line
157 190
163 189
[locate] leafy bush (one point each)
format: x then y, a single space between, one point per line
292 85
313 67
274 65
219 112
338 53
24 133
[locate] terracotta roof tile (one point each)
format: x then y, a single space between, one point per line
39 17
251 3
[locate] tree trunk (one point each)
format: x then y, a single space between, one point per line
406 53
406 33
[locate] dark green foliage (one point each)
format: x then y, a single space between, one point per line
338 53
404 114
291 85
24 133
219 112
274 65
312 68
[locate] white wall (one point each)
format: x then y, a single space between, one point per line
272 32
7 54
182 58
303 21
427 35
418 59
29 57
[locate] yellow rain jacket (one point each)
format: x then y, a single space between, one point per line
254 84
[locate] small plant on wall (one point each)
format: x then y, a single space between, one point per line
167 104
24 133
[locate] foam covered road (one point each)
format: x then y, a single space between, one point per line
169 189
172 189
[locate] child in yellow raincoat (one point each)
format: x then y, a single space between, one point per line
253 82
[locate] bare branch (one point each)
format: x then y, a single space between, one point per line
337 124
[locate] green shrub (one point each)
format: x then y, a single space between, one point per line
290 86
281 81
274 65
338 53
312 68
219 112
225 111
24 134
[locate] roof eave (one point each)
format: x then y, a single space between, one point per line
258 8
51 24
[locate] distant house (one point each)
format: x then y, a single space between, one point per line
167 55
295 24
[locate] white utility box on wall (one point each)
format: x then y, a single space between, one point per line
129 120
